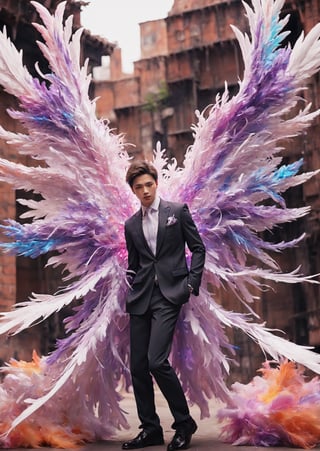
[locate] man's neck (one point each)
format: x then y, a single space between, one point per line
155 205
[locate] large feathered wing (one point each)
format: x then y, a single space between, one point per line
233 180
79 167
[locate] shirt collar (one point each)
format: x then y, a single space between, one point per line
154 206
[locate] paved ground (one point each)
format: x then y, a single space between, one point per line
205 439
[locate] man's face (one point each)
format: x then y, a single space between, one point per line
145 188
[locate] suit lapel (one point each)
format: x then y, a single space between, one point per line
164 212
139 229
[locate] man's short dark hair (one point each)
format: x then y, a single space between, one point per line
140 167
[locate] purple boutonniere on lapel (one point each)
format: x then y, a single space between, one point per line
171 220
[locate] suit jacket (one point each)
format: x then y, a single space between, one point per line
175 229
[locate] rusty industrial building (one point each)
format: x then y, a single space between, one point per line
186 58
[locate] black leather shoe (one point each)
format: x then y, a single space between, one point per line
145 439
182 437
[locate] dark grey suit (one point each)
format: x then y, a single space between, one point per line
154 307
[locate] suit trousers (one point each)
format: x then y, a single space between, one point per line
151 336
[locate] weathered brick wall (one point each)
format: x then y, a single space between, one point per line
7 210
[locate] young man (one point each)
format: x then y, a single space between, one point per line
160 283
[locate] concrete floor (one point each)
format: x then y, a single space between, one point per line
205 439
